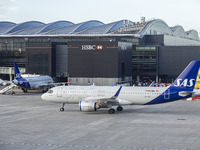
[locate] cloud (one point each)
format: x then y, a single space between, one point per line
12 1
9 8
2 17
8 5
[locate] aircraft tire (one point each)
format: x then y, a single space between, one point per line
119 108
62 109
111 111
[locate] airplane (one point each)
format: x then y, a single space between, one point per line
91 98
40 82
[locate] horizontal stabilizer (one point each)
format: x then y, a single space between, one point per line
185 93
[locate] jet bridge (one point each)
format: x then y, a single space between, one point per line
10 71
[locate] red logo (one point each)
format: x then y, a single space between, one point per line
99 47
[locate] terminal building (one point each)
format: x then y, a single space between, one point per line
94 52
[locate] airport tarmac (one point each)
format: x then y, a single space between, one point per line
29 123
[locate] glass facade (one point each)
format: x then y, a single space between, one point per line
38 62
12 49
144 62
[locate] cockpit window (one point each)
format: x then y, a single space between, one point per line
50 91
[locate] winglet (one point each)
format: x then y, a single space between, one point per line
117 93
151 85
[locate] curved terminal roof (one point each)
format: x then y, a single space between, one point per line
192 34
22 26
152 27
178 31
6 24
156 27
106 28
44 28
76 27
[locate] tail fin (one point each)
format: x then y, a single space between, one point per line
182 87
186 80
17 73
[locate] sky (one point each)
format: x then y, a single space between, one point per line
173 12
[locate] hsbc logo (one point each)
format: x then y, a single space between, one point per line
92 47
185 83
99 47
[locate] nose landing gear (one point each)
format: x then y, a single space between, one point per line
62 108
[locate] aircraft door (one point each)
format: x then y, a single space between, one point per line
167 94
59 92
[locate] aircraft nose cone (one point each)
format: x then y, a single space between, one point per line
43 96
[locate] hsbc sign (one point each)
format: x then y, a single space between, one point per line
88 47
92 47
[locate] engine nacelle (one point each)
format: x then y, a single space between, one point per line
87 106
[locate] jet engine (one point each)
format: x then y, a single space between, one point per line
87 106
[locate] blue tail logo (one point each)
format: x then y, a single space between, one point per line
186 80
182 87
185 83
17 73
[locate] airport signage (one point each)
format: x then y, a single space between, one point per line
92 47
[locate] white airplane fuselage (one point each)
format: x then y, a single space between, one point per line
33 82
36 82
127 96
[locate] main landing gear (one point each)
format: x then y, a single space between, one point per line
25 90
112 111
62 108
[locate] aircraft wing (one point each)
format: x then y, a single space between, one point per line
51 84
41 85
107 100
54 84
